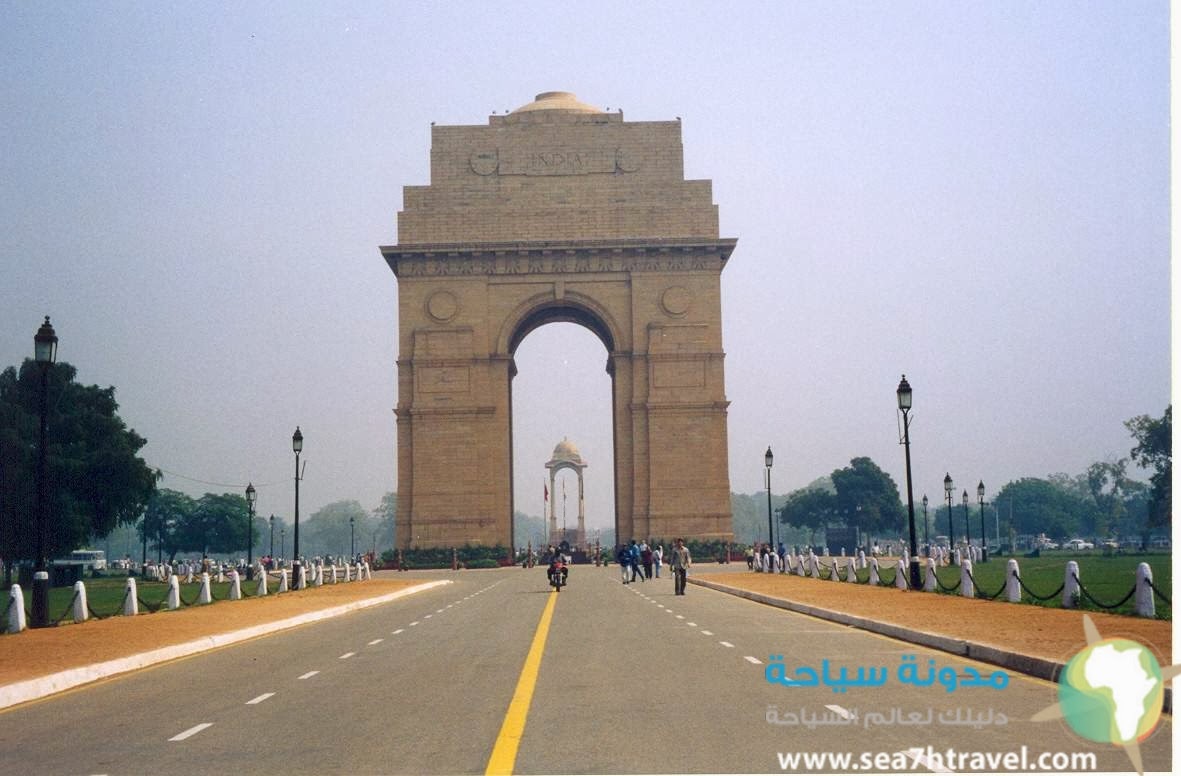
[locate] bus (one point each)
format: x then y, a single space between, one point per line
95 560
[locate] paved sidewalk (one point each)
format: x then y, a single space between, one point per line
1033 640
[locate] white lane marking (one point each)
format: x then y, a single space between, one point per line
680 616
707 633
726 644
414 623
395 633
754 660
375 642
450 605
691 624
346 655
428 617
194 730
440 611
841 710
660 605
259 699
309 674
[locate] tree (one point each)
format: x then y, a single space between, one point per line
327 531
1040 506
217 524
96 479
1154 450
166 520
386 516
810 508
868 499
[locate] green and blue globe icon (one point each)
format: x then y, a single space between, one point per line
1112 692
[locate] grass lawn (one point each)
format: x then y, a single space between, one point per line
1107 579
105 595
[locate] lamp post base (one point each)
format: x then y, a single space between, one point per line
916 582
40 618
295 575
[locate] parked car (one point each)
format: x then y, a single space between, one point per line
1079 544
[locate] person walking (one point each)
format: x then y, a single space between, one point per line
637 571
680 562
646 559
624 558
658 558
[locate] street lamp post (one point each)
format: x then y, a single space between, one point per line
297 447
926 520
352 540
251 496
272 539
768 459
905 399
967 525
283 541
948 487
45 353
983 536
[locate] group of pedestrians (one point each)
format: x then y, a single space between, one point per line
639 561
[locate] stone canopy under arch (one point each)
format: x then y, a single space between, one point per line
559 212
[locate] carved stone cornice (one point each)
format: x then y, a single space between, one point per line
586 256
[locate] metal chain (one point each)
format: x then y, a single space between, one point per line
945 588
1037 597
1159 594
1091 598
985 596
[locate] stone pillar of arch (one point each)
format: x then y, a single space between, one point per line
566 456
559 211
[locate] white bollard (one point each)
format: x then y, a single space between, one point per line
348 572
282 580
900 580
130 599
17 621
333 577
221 576
188 573
318 575
235 586
967 589
262 584
81 611
173 592
851 570
368 571
929 581
1013 581
303 577
206 595
874 579
1145 603
958 557
1070 588
861 559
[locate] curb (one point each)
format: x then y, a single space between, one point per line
1037 667
41 687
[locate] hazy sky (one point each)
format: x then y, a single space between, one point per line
973 193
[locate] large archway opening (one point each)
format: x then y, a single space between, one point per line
562 390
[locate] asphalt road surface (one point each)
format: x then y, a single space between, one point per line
625 679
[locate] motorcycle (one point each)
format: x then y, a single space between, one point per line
557 577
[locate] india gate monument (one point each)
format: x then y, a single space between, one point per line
559 211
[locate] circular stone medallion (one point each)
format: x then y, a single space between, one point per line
442 306
676 300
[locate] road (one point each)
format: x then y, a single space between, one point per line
632 679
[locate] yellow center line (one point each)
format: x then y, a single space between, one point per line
504 753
